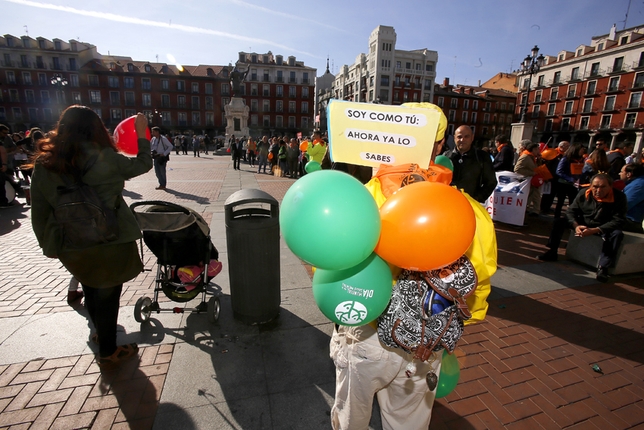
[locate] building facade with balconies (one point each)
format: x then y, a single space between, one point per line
177 98
30 93
387 75
595 90
280 93
487 111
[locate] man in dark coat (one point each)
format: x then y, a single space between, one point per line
617 158
504 159
473 170
597 210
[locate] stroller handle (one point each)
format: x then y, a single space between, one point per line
160 203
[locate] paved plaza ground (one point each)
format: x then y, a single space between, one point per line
528 366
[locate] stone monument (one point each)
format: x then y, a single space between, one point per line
236 110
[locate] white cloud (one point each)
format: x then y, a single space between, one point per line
149 23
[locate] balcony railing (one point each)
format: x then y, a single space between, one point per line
594 73
620 69
615 89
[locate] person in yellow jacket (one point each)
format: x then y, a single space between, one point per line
364 366
317 148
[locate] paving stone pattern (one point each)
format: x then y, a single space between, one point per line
528 366
71 392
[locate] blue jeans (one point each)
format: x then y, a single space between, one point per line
159 170
263 161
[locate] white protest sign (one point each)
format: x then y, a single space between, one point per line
508 201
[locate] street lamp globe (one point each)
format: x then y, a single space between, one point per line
530 66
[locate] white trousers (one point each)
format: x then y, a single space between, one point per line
364 368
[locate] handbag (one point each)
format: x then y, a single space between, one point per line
543 172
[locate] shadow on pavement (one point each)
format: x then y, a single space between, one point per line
233 375
186 196
593 332
12 218
134 391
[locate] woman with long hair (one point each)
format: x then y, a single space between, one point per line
596 163
569 170
81 147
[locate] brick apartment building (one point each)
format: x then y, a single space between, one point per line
594 90
280 93
487 111
40 78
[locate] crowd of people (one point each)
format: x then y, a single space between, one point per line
603 190
278 155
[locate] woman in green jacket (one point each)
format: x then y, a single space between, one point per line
80 144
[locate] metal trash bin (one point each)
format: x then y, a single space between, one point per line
252 236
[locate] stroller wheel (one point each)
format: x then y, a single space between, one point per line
143 309
213 309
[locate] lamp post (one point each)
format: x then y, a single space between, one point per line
152 117
59 82
530 66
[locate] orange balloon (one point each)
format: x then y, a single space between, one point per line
549 154
304 146
425 225
270 155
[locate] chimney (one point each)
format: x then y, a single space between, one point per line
446 82
612 33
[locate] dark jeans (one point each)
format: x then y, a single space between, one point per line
563 191
292 167
102 304
611 241
548 199
3 192
236 162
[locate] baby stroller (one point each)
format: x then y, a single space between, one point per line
186 257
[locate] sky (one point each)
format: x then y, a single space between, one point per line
475 39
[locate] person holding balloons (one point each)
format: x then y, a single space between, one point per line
359 257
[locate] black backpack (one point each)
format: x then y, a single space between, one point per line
84 219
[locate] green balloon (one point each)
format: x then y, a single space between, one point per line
330 220
444 161
354 296
312 166
449 374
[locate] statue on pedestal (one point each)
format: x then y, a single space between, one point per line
236 78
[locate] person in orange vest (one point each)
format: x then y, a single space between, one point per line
552 161
526 165
504 159
617 158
